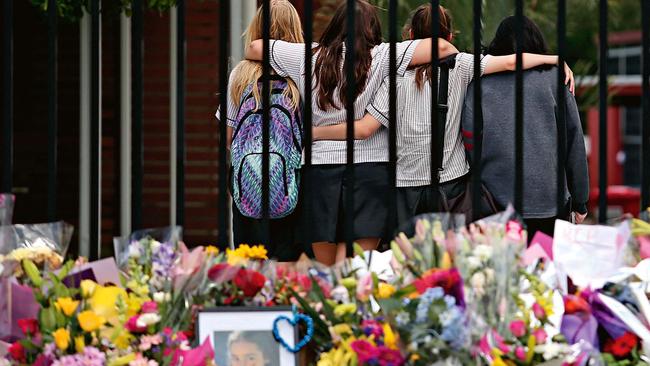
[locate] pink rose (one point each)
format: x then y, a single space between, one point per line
149 307
520 353
539 311
518 328
132 325
540 335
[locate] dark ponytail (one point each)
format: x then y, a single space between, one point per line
328 63
420 28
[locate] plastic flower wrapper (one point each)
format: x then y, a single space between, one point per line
487 256
123 247
44 244
7 202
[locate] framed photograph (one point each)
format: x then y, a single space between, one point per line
243 336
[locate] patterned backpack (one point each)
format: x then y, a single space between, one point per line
285 154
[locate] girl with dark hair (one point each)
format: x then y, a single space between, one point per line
540 136
371 66
252 348
414 135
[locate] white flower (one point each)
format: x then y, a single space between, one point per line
489 274
473 263
4 362
552 350
477 282
147 319
484 252
161 297
134 250
340 294
155 245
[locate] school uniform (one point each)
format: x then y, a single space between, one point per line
414 137
331 186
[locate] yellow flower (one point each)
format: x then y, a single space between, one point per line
122 339
122 361
105 299
342 329
350 283
90 321
61 338
390 338
385 290
211 250
244 252
66 305
79 344
133 304
344 309
87 288
446 261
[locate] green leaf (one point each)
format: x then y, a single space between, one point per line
47 319
397 252
32 272
358 250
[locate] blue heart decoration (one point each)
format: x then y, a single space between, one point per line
297 318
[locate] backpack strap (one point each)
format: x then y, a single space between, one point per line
443 90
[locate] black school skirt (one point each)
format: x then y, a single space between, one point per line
328 207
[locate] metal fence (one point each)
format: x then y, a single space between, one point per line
308 186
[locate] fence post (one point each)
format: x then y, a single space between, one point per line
266 116
52 129
307 118
7 100
645 143
224 36
561 107
349 107
478 113
95 131
180 113
137 162
435 124
602 115
519 110
392 110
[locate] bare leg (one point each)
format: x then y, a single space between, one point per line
325 252
366 244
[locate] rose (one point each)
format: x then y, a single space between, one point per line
28 326
520 353
149 307
539 311
132 325
366 351
250 281
540 335
621 346
518 328
17 352
222 272
389 357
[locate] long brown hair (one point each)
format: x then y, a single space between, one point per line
328 63
420 28
285 26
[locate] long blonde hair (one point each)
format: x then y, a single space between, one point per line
285 26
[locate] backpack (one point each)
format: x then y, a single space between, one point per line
285 154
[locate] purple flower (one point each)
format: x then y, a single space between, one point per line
372 327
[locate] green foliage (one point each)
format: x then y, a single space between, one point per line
73 10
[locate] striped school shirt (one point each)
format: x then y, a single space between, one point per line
414 124
288 60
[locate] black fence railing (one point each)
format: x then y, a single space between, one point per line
309 185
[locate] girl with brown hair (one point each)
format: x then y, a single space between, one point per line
371 66
414 193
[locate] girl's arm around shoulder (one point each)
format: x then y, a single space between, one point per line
422 54
497 64
363 129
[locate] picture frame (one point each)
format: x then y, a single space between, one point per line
246 333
